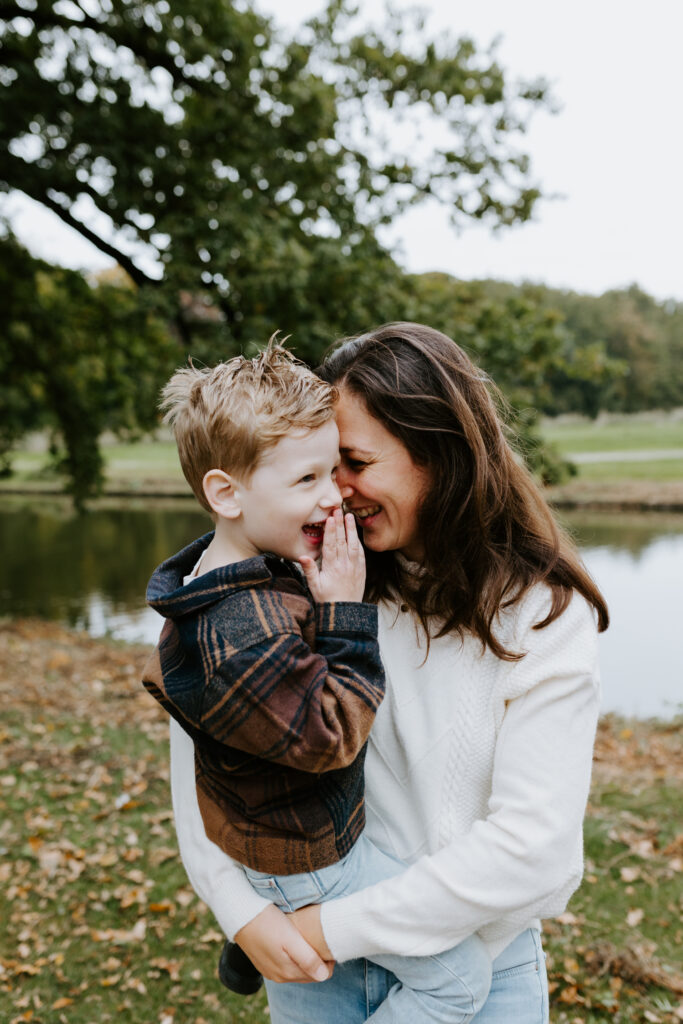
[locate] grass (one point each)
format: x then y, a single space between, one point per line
100 924
625 931
99 921
655 470
623 433
152 467
145 466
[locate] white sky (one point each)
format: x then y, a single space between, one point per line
614 152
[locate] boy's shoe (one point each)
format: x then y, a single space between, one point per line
237 972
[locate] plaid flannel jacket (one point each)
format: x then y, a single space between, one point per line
279 696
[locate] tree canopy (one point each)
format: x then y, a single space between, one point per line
208 154
75 360
240 178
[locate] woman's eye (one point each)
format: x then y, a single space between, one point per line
356 465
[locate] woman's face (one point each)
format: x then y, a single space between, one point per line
378 480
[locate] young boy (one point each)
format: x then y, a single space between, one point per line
275 674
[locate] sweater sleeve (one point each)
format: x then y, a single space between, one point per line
291 705
218 880
524 858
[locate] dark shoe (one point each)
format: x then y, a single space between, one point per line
237 972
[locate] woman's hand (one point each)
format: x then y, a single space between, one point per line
341 576
307 921
278 950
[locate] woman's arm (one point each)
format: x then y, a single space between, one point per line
266 934
216 878
523 860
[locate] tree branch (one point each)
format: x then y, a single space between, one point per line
119 35
125 262
18 179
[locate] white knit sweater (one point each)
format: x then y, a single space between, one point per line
477 776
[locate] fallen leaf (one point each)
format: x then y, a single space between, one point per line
630 874
567 918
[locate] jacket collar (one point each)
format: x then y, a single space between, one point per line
167 594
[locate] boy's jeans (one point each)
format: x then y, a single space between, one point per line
449 988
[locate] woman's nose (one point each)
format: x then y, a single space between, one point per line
344 484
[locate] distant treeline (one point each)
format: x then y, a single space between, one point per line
636 338
81 356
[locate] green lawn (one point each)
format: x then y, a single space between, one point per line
151 467
627 433
656 470
142 466
100 924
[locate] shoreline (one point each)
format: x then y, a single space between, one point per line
591 495
618 495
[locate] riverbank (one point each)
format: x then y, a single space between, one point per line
101 924
627 494
624 462
150 472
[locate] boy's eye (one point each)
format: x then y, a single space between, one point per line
307 479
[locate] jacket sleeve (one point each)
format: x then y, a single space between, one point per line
217 879
288 704
521 861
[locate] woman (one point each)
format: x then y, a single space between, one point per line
478 765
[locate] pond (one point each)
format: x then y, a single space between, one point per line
91 572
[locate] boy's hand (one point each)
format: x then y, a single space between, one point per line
341 576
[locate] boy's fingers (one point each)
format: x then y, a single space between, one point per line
340 531
309 567
311 575
329 539
352 540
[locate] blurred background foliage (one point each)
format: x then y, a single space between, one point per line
239 179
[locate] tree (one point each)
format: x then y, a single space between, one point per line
207 155
623 350
75 360
515 340
238 177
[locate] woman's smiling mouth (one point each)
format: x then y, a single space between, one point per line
366 513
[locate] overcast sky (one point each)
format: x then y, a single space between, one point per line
614 152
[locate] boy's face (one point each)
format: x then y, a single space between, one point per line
290 494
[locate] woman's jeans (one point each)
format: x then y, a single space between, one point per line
519 991
445 989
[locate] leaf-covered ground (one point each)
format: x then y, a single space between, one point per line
100 924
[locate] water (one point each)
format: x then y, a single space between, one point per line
91 573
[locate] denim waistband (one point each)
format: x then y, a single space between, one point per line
522 950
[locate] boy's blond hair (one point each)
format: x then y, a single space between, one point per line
226 416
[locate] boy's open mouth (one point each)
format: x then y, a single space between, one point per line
314 531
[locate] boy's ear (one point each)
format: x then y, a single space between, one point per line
221 494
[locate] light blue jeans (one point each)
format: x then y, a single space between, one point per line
449 988
519 991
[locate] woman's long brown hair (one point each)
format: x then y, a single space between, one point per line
487 530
